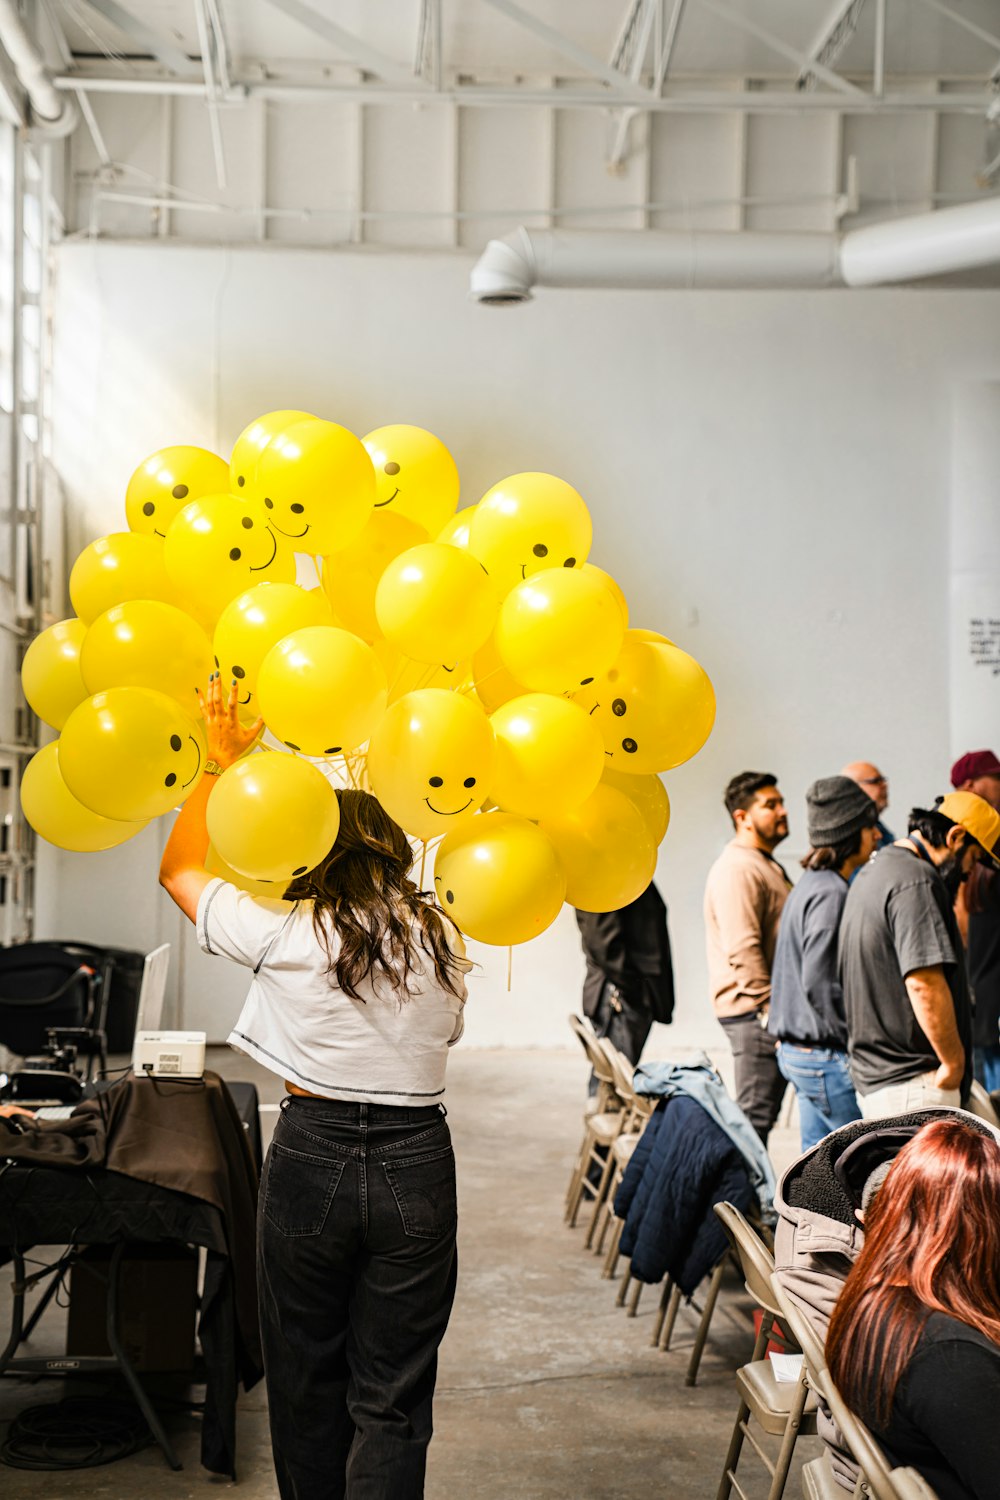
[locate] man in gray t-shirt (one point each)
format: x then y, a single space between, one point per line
902 968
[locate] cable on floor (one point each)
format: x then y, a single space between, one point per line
78 1433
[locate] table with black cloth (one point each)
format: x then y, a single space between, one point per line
150 1161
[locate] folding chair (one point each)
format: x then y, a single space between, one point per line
782 1409
601 1126
636 1110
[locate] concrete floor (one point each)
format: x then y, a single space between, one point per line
546 1389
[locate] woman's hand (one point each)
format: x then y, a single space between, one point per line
228 739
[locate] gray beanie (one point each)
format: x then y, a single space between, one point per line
836 808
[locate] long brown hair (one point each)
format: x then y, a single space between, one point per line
361 892
932 1244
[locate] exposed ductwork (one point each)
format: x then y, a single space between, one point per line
53 113
955 239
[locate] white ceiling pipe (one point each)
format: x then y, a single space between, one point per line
53 112
955 239
509 268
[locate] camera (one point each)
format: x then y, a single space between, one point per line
52 1078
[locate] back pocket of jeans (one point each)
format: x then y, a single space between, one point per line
298 1190
424 1190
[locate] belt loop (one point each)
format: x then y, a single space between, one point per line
444 1112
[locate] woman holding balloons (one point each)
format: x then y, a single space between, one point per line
357 993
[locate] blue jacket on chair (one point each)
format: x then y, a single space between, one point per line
683 1165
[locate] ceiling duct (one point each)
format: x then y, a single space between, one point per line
954 240
52 113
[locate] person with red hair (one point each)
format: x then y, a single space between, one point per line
914 1341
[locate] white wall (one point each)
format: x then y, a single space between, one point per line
768 476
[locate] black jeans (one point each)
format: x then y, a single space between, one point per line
760 1088
357 1269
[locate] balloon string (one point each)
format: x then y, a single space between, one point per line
510 964
423 857
350 772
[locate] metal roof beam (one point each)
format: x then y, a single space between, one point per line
358 51
832 37
783 49
572 96
607 74
172 58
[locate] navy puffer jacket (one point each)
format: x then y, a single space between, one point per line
682 1166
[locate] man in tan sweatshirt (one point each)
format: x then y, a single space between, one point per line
744 894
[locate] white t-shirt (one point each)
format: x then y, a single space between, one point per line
298 1023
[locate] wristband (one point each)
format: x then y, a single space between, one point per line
212 768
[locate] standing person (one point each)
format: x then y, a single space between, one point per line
914 1341
744 894
807 1002
871 781
901 963
978 912
357 994
629 982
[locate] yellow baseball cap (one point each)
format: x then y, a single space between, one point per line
977 817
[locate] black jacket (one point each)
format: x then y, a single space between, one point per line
631 948
682 1166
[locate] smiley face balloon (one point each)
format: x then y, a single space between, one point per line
251 443
529 522
655 707
415 475
255 621
220 546
131 753
499 878
168 480
317 485
429 760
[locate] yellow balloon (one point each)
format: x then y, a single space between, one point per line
50 672
251 443
255 621
559 629
650 797
167 480
317 484
264 890
144 643
56 815
494 684
124 565
430 760
455 531
272 816
404 674
613 585
606 850
499 879
549 756
529 522
655 707
415 474
436 603
321 690
351 576
131 753
220 546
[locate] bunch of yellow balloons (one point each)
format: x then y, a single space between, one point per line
470 667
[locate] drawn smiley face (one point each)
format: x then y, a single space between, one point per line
655 707
446 794
526 523
430 760
168 480
415 475
218 547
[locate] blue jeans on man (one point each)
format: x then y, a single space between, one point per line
822 1082
986 1067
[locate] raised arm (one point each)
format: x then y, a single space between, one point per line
182 869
